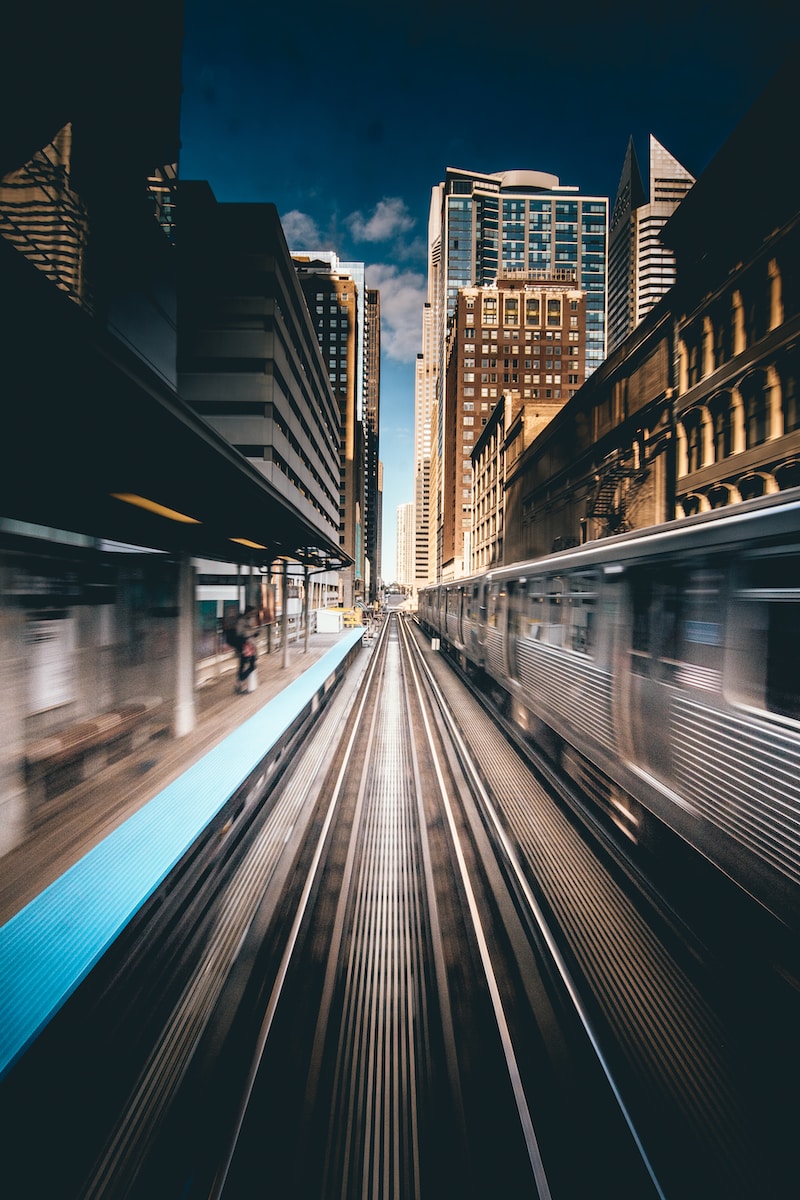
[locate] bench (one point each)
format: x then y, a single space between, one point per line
59 761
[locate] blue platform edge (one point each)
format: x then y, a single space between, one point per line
51 945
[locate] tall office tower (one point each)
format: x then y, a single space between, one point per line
372 414
483 226
381 576
404 574
488 225
249 362
640 267
336 297
424 394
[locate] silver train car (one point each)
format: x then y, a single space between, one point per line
661 669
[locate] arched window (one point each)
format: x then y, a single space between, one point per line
690 504
720 495
720 408
755 394
788 474
790 402
751 486
693 424
723 334
756 296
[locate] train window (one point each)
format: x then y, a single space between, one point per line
495 602
553 627
766 614
582 587
701 643
656 601
535 608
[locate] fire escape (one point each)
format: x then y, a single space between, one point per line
617 481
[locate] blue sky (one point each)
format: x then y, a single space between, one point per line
345 115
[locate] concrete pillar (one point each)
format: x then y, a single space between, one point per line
306 608
707 435
682 455
14 807
774 392
285 615
185 717
737 422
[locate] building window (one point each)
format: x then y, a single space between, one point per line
511 310
722 425
532 310
789 398
553 312
693 425
755 393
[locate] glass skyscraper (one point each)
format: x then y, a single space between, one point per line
526 222
512 224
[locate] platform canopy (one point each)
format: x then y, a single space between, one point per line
89 432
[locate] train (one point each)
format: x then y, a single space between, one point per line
660 670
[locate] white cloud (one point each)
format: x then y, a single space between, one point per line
389 219
301 231
403 295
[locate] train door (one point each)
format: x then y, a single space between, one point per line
677 641
653 633
461 602
517 603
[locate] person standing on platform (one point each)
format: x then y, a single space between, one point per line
246 630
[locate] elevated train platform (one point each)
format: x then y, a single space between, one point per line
139 816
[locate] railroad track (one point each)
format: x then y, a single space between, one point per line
412 978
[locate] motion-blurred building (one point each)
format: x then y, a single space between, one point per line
373 483
113 487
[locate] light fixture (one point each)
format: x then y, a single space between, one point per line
247 542
152 506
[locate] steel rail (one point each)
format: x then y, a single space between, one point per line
512 859
221 1174
512 1065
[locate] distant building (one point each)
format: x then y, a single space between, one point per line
526 334
641 269
248 358
336 297
372 418
381 580
512 426
483 227
405 545
425 392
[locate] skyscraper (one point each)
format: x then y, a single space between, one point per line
405 545
640 267
335 295
512 223
523 337
372 416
